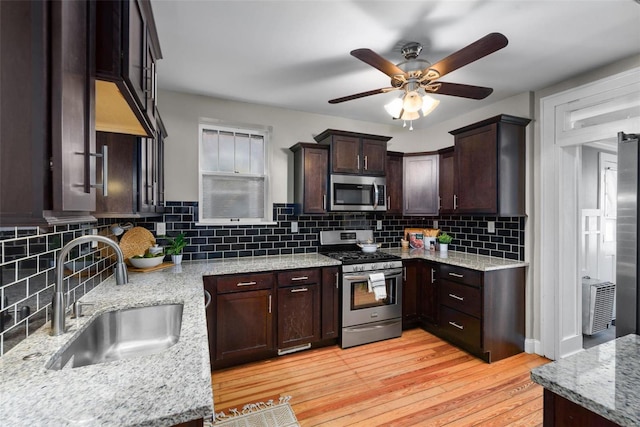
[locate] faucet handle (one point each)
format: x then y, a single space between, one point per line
77 308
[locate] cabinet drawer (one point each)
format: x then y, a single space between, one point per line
461 275
298 277
249 282
460 326
466 299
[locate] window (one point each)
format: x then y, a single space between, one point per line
233 178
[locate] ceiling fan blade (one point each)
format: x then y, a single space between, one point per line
370 57
362 95
476 50
457 89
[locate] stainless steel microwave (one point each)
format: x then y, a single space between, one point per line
357 193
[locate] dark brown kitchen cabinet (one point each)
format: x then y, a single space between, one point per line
490 166
428 294
298 308
419 293
355 153
242 326
420 184
330 328
311 175
47 112
411 277
127 52
394 182
482 312
446 180
560 412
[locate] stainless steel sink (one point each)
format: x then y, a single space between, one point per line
122 334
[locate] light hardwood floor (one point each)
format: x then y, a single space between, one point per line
415 380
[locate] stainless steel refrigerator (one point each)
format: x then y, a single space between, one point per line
627 294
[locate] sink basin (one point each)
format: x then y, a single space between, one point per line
122 334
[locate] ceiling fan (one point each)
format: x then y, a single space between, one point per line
415 73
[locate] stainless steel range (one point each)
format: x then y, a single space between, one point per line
371 288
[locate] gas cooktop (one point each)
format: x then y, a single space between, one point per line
359 257
343 246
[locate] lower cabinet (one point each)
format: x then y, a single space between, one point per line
257 316
298 308
483 312
419 294
241 325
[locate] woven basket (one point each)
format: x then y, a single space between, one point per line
136 242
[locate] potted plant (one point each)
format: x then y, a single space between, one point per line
444 239
175 247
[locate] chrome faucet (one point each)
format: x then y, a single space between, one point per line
58 306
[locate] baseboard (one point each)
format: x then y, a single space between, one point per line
533 346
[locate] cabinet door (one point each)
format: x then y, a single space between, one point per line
428 306
148 175
72 106
477 170
394 183
410 279
316 170
420 189
345 155
330 302
298 315
374 157
447 182
137 54
122 173
244 324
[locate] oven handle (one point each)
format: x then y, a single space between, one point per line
388 274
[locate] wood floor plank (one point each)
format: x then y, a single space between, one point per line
413 380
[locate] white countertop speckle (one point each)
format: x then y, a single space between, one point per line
163 389
604 379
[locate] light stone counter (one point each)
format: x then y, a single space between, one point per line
156 390
604 379
460 259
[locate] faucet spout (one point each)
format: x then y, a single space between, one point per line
58 305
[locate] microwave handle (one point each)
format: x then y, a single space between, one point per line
376 194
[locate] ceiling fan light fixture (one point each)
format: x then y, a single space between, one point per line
429 104
394 108
412 102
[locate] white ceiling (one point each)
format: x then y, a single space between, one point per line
295 54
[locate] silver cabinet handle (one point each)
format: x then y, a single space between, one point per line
358 160
439 202
366 163
269 303
104 154
207 300
454 296
337 278
300 278
388 201
454 324
455 202
299 290
404 273
456 275
324 202
433 275
246 284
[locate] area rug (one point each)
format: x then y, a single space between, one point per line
260 414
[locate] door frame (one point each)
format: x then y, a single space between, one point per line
558 256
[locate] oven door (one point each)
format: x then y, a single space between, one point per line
359 306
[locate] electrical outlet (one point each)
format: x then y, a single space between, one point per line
491 226
294 226
435 223
161 229
379 225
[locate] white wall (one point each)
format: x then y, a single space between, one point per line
181 112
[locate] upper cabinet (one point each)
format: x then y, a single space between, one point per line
355 153
311 175
47 113
447 180
127 52
490 166
394 182
420 192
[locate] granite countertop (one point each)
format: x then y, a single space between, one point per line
460 259
163 389
603 379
